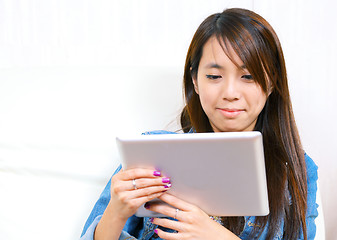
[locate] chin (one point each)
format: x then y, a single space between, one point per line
228 129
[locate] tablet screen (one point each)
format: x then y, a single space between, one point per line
222 173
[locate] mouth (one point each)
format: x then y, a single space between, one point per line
230 112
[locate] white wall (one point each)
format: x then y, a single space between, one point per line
74 74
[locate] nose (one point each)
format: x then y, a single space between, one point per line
230 90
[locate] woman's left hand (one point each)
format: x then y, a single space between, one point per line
192 222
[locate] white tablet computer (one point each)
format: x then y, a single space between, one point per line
222 173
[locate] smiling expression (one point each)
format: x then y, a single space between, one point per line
230 97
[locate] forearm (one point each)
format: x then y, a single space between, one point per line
228 235
110 226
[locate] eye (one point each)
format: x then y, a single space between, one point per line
213 77
248 77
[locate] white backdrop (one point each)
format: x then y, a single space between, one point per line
76 73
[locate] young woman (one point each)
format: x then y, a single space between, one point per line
234 80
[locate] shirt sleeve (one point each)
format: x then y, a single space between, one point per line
97 211
89 234
312 212
134 225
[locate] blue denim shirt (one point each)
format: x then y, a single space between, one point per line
143 229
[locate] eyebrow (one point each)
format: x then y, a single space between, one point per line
217 66
214 65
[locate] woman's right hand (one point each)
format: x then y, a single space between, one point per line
131 188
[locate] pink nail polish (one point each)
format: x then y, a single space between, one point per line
166 180
151 219
156 231
168 185
156 173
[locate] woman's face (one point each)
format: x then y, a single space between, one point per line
231 99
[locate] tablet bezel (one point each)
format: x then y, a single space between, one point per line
200 164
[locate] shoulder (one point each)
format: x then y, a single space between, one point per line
311 167
158 132
154 132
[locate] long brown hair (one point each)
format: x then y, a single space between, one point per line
257 45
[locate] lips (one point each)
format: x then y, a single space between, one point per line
230 112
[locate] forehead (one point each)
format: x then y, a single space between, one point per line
219 54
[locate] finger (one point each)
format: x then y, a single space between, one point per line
139 183
167 223
165 210
134 184
140 193
139 173
176 202
168 236
137 202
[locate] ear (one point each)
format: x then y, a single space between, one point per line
270 88
195 82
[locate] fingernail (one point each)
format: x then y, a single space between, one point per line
168 185
166 180
156 173
156 231
147 205
151 219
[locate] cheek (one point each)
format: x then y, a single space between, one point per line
259 99
205 102
255 97
208 97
